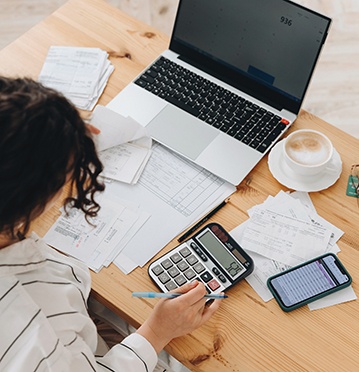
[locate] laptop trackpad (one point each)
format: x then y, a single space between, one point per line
181 132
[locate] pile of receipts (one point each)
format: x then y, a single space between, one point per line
124 150
79 73
97 243
283 232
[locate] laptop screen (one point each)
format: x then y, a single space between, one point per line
269 47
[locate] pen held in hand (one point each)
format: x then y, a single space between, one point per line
213 296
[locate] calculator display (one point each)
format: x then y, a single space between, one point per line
220 253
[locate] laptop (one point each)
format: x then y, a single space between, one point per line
231 83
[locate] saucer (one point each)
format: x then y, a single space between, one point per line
284 175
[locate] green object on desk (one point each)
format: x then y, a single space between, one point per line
350 186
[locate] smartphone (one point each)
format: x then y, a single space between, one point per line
309 281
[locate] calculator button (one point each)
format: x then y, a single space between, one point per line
183 265
167 264
198 268
222 278
173 271
196 249
185 252
189 274
176 258
157 270
192 260
213 284
216 271
206 277
164 278
180 280
203 256
171 285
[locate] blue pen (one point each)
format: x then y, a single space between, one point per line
172 295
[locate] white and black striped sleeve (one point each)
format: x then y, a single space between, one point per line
134 353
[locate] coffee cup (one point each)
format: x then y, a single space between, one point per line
308 152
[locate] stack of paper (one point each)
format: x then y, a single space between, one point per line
81 74
283 232
98 243
177 193
171 194
123 145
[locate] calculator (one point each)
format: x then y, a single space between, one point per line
211 256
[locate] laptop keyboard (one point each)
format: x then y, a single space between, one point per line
213 104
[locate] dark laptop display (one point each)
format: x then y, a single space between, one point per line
231 83
265 48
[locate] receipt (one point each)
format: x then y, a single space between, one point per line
80 73
123 145
293 213
283 238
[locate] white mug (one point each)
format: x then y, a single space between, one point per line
308 152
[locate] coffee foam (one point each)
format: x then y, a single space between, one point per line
308 148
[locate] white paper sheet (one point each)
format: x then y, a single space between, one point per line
176 193
294 205
171 194
79 73
123 144
284 239
94 243
344 295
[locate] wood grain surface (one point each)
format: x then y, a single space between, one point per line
246 334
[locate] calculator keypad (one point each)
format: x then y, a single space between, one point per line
184 265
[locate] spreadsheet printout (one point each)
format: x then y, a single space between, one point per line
176 193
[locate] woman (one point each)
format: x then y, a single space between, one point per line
44 323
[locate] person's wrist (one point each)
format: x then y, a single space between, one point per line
153 337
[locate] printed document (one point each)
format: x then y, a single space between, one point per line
284 239
297 209
80 73
177 193
136 221
123 145
98 242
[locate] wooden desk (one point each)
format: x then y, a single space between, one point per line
246 334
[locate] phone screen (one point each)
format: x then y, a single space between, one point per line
309 280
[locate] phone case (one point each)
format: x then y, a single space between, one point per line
312 299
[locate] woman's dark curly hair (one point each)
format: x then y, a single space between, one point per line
43 141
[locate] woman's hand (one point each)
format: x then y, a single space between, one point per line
93 129
176 317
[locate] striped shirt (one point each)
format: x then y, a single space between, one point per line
44 323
